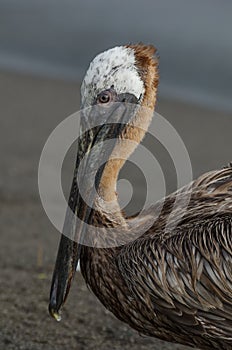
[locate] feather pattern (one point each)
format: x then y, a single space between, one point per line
173 283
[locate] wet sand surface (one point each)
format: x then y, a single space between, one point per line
30 109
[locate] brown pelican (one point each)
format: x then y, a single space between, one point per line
173 284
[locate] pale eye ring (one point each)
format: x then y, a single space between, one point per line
104 97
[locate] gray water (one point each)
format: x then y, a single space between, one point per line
58 38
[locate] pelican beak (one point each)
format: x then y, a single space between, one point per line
91 157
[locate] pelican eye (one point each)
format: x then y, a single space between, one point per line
104 97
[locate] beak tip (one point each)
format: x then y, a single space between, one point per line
54 313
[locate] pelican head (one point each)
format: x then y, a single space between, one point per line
117 84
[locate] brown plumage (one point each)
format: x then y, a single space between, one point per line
174 281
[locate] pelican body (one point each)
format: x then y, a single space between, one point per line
174 284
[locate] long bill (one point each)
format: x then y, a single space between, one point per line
91 157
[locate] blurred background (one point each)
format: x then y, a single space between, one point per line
58 39
45 49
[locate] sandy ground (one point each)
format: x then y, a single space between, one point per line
30 109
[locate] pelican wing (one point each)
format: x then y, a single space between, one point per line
184 275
